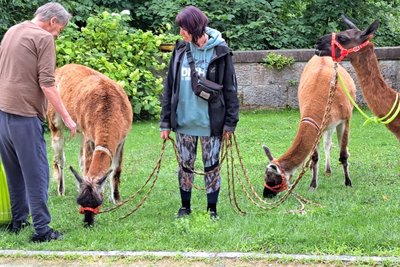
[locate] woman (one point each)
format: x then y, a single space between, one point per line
190 116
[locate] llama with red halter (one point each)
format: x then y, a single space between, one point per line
103 114
355 45
313 92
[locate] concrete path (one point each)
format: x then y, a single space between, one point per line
206 255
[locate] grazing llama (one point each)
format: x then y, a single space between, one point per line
355 45
103 114
314 88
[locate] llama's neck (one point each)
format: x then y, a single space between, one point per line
300 149
99 165
378 95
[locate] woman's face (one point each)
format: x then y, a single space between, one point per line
187 37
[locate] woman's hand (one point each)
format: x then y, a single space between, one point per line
165 134
227 135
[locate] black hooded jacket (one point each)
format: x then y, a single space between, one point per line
224 111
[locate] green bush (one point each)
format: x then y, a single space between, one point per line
277 61
130 57
15 11
277 24
246 25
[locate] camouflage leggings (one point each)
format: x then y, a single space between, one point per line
187 146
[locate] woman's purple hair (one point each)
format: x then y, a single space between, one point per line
192 20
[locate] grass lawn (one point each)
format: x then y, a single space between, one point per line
361 220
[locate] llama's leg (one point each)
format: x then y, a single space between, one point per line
327 148
314 170
116 174
57 143
343 131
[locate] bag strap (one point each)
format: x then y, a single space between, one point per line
194 78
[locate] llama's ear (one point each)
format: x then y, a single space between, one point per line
268 153
369 32
77 176
103 179
349 23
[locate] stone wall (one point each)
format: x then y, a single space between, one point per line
261 87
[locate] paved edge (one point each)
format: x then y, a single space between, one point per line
203 255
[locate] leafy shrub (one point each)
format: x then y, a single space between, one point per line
277 61
246 25
256 24
130 57
15 11
277 24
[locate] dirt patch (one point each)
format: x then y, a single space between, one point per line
157 262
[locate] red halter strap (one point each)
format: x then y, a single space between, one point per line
343 51
279 187
94 210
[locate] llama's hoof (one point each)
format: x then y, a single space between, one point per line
312 189
328 173
112 200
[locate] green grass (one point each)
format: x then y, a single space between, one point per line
362 220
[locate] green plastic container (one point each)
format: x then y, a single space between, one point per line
5 207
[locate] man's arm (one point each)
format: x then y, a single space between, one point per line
54 98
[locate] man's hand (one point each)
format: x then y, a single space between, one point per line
71 126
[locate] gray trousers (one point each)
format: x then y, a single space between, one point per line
187 148
24 156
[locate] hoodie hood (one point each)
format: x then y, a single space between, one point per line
202 56
215 38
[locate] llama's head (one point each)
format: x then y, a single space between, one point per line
345 42
90 196
274 179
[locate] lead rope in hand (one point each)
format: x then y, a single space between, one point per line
271 205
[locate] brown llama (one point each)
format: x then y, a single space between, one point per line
103 115
313 91
355 45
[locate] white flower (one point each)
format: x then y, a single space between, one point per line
125 12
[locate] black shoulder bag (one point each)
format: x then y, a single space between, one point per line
203 88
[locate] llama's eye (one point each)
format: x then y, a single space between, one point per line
342 39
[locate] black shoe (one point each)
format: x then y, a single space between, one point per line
50 235
16 226
214 215
182 212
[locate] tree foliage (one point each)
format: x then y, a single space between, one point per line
246 25
15 11
128 56
277 24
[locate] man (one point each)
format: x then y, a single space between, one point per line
27 82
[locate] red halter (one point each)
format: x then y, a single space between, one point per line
94 210
279 187
343 51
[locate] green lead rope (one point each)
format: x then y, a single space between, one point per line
383 120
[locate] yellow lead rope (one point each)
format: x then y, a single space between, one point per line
383 120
